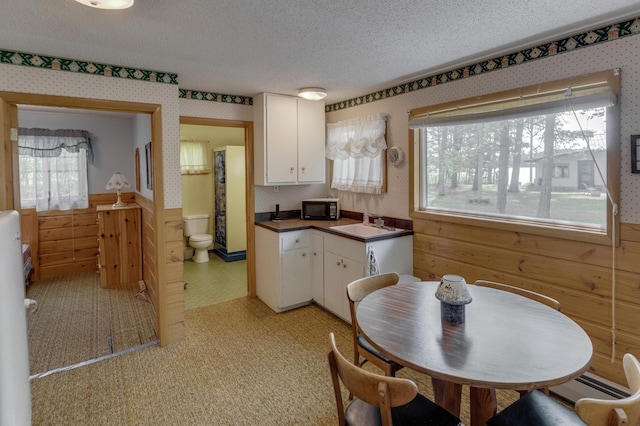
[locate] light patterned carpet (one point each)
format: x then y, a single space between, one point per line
77 320
214 281
240 364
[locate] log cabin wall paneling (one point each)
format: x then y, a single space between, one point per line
29 231
173 259
148 249
577 274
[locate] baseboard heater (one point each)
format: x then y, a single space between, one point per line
589 386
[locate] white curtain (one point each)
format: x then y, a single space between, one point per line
194 157
356 147
53 168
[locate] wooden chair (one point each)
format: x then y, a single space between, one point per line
545 300
535 408
625 411
356 291
381 400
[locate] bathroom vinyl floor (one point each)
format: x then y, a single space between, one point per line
214 281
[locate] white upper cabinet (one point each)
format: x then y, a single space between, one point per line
289 140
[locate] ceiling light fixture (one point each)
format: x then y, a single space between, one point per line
312 93
107 4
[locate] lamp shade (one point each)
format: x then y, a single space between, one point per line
312 93
453 290
117 181
107 4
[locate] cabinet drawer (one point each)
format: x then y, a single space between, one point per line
294 240
345 247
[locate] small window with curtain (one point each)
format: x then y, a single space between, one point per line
53 168
357 148
544 155
194 157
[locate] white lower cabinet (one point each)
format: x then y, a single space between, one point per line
283 268
339 271
345 260
317 267
294 267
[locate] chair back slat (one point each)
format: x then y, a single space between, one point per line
626 411
385 392
546 300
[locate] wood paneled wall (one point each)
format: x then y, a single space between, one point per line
577 274
65 241
173 306
174 256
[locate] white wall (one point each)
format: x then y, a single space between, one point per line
62 83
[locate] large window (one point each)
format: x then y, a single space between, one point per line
542 159
53 168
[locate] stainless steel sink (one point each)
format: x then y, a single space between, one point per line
360 230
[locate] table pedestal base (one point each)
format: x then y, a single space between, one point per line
482 402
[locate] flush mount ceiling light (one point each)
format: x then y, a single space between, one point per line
312 93
107 4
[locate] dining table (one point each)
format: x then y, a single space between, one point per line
506 341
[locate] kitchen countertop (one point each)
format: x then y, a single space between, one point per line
325 226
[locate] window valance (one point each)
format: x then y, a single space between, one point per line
357 138
50 142
588 91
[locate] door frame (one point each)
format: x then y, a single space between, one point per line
8 194
249 192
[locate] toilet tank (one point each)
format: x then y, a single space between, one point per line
196 224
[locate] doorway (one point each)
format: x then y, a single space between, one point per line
224 276
10 195
78 320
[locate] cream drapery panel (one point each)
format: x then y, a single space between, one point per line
53 168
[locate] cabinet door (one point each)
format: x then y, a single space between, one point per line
281 139
317 269
311 141
296 274
334 292
351 271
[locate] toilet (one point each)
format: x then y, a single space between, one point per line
195 228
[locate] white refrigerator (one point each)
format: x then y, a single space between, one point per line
15 392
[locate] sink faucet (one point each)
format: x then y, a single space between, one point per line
378 221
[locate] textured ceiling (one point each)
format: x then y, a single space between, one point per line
349 47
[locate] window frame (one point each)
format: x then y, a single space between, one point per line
575 233
82 175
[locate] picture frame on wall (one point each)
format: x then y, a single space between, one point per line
635 153
149 161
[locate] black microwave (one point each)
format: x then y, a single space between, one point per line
320 209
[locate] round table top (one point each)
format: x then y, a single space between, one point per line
507 341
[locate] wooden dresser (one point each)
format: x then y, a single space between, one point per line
120 247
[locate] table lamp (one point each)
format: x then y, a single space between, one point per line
117 182
453 295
